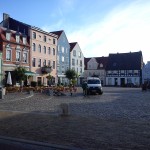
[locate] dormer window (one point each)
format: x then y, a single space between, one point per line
24 40
17 38
101 65
8 36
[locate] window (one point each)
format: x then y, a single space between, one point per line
24 40
74 52
62 58
44 49
8 36
77 61
33 47
49 63
57 59
80 70
18 55
34 35
44 62
63 50
54 41
44 38
39 48
49 50
17 38
80 54
8 55
101 65
80 63
53 51
73 62
53 64
39 63
25 57
34 62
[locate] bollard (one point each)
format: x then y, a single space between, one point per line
1 93
64 108
31 92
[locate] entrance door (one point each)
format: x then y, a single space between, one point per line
122 81
39 81
116 81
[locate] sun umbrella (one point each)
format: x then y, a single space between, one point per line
9 80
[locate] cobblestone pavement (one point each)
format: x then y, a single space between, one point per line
130 103
118 119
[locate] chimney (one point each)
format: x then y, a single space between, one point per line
5 22
5 16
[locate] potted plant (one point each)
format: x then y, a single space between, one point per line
46 69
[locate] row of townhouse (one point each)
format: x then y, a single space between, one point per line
117 69
37 50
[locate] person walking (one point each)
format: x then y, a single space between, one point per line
84 87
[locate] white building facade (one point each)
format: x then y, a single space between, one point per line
77 61
146 72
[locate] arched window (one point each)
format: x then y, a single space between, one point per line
44 49
33 47
53 51
39 48
49 50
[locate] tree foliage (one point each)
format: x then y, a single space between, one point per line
20 73
70 74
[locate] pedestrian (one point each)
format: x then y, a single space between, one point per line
84 87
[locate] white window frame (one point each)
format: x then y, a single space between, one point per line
24 40
8 50
74 52
63 50
25 60
8 34
17 38
62 59
18 59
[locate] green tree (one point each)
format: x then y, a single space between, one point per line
20 74
70 74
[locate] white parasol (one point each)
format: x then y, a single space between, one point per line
9 80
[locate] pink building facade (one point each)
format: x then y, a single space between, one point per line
43 55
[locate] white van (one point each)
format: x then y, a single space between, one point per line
94 85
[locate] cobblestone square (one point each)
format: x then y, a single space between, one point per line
118 119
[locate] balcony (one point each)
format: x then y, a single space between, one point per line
46 69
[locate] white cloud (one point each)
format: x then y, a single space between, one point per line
124 29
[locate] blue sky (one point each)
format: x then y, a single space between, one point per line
99 26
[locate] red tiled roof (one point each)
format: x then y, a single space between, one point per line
99 60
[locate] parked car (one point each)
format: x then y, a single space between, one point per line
131 85
94 85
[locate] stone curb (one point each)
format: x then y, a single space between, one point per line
34 143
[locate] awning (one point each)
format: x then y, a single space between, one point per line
29 73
